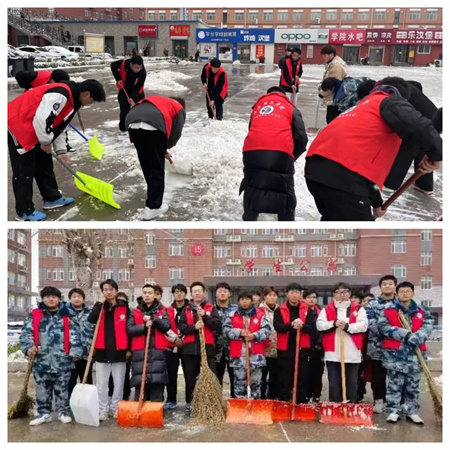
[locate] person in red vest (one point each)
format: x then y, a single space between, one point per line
130 74
174 350
53 337
291 316
111 346
399 348
28 80
317 365
247 325
215 83
356 151
149 314
275 140
190 325
291 72
36 121
155 125
342 316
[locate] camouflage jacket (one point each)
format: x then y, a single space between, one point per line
234 334
373 312
221 339
344 93
51 357
86 328
404 359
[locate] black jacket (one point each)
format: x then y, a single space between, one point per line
133 81
213 91
156 365
109 354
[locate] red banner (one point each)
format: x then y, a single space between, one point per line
347 36
260 51
180 30
249 264
148 30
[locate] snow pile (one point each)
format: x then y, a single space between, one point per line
236 63
17 357
164 81
438 380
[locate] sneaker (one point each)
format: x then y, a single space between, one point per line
417 188
150 214
34 216
103 416
378 407
415 419
41 419
392 418
169 406
62 201
64 419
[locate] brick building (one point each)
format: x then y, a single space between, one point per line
253 258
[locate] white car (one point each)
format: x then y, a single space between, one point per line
61 51
38 51
14 52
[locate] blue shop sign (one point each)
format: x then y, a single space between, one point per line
240 35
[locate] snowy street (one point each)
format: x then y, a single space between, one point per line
212 149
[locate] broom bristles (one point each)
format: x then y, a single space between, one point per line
21 407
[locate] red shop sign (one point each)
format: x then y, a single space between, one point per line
347 36
379 36
260 51
148 30
180 30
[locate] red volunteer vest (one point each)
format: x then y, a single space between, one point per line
271 125
138 342
168 107
394 320
288 63
123 77
43 77
256 348
328 337
21 112
209 334
120 329
282 338
360 140
37 315
224 91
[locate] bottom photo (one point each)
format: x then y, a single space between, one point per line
225 335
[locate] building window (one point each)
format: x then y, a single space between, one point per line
363 14
108 274
297 15
222 251
347 16
109 252
221 231
269 231
426 258
151 16
149 281
57 251
424 49
20 302
72 275
149 238
49 274
176 250
253 16
11 278
380 14
347 249
267 272
161 15
21 238
221 272
11 301
123 275
432 14
426 283
239 16
316 15
210 15
173 15
318 251
348 271
270 251
123 252
398 247
22 280
176 273
426 303
22 260
268 16
399 271
320 231
244 273
197 16
414 14
249 231
87 13
12 235
282 15
317 271
332 14
425 235
11 256
150 262
298 251
250 251
58 275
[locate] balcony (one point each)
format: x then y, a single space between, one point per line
233 238
233 262
337 236
284 238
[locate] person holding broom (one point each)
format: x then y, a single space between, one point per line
247 329
215 83
149 316
198 314
399 352
53 339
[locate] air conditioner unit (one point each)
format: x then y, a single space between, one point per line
255 21
233 238
130 261
340 261
284 238
437 62
318 21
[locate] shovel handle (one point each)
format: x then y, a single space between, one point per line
317 113
342 352
247 345
79 120
126 93
209 99
297 357
67 167
415 176
29 369
79 132
144 372
91 350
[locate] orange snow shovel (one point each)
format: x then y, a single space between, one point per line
141 414
256 412
284 411
353 414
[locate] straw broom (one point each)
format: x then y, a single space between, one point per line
207 404
435 392
22 406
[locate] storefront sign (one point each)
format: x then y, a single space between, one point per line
379 36
301 36
148 30
260 51
347 36
250 36
180 30
418 37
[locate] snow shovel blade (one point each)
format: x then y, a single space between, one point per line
181 167
148 415
256 412
286 411
96 148
84 404
97 188
346 413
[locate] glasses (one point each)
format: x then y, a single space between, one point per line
405 291
343 292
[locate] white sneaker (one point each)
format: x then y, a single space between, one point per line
150 214
415 418
392 418
64 419
103 416
41 419
378 407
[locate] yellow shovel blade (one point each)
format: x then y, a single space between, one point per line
96 148
97 188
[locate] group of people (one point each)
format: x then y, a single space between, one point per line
376 346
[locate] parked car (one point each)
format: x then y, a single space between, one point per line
39 51
436 334
14 331
79 49
63 53
14 52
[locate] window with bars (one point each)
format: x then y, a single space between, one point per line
424 49
398 247
347 249
426 283
176 273
150 262
318 250
176 250
151 16
363 15
173 15
270 251
123 275
347 16
249 251
432 15
399 271
57 251
221 251
426 258
414 14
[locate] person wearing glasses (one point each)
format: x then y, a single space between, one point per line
342 316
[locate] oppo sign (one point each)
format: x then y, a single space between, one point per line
296 37
301 36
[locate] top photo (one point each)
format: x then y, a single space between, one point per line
225 114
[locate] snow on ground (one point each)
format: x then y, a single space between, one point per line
438 380
17 357
164 81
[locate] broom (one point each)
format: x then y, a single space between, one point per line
23 405
436 394
207 404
